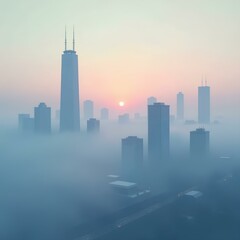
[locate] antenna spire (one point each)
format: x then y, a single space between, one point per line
73 39
65 38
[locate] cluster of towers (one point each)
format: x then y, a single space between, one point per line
40 123
69 102
132 147
159 135
203 105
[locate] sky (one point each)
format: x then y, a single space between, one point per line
128 50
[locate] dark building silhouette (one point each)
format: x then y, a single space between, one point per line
42 119
204 104
25 122
151 100
180 106
158 132
199 143
88 109
132 157
93 125
104 114
69 106
123 119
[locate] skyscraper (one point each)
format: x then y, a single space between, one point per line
93 125
158 132
132 157
21 118
25 122
88 109
42 119
204 104
69 106
199 143
180 106
123 118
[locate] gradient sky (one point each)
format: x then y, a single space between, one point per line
128 50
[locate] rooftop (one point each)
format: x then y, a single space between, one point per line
193 193
123 184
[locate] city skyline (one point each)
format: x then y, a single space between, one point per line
163 64
120 119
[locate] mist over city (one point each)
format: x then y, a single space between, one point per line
120 120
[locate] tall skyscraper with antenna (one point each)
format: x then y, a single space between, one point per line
69 105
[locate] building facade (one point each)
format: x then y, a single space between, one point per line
199 144
204 104
93 125
180 106
132 157
158 132
42 119
69 103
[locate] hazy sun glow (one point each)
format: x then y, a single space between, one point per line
121 103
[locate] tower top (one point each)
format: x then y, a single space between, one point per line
73 39
65 43
65 38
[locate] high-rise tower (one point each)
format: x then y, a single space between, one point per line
199 144
158 132
42 119
69 106
204 104
132 158
180 106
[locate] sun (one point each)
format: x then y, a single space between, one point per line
121 103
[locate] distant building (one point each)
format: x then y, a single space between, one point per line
25 122
194 194
199 143
21 118
93 125
158 132
42 119
132 157
69 104
104 114
180 106
130 190
151 100
204 104
88 109
188 202
124 187
123 119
